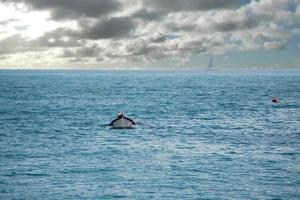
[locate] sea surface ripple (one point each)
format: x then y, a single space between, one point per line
198 135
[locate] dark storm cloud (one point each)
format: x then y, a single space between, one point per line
72 9
190 5
92 51
226 24
82 54
116 27
147 15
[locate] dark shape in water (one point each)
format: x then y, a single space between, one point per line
274 100
122 122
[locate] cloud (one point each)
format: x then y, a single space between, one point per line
109 28
112 31
223 21
158 38
147 15
15 44
83 52
169 6
19 44
57 38
198 45
73 9
276 45
3 57
8 21
232 21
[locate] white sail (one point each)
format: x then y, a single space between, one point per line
210 66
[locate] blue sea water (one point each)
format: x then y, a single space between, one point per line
198 135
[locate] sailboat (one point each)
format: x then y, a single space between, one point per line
210 66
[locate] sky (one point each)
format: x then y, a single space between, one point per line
149 34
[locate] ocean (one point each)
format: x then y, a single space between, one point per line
198 135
